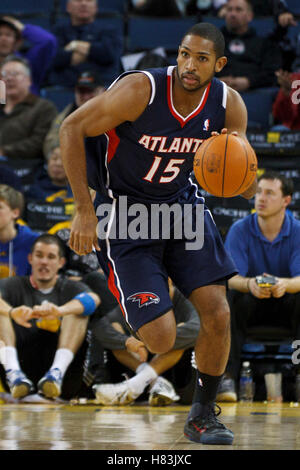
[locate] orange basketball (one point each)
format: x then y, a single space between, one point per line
225 165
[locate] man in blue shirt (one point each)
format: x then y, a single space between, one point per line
15 239
266 242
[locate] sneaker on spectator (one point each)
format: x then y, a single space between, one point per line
202 426
226 390
162 393
18 383
50 384
297 386
114 394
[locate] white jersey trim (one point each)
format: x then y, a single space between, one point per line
151 78
224 99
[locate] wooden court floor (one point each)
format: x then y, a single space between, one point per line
257 426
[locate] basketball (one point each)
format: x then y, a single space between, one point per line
225 165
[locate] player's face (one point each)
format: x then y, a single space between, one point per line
269 200
8 216
197 62
45 262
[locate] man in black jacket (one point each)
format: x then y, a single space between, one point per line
252 60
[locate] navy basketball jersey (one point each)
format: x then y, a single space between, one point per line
151 159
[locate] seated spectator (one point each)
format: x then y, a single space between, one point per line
252 60
51 183
15 239
83 44
264 242
158 8
113 334
205 7
43 322
286 110
9 177
40 53
25 118
87 86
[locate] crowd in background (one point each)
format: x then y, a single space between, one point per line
80 54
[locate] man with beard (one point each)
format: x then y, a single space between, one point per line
43 322
149 125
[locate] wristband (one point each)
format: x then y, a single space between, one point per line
87 302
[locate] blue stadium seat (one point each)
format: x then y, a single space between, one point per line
14 7
119 6
148 32
294 6
259 106
294 32
263 26
60 96
39 19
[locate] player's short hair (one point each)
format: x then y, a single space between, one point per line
212 33
13 198
287 185
49 239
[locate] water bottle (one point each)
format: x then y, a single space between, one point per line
246 383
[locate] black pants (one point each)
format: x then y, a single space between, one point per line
248 311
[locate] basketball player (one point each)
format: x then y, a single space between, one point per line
153 122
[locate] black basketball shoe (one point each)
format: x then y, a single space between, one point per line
202 426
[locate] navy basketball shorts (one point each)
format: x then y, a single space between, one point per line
138 269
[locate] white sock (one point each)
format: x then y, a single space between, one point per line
62 359
9 358
145 374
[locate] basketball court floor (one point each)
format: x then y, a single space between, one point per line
257 426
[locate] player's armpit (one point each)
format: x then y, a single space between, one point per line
236 114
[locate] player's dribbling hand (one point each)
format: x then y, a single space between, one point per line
223 131
83 235
22 315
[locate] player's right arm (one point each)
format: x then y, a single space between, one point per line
125 101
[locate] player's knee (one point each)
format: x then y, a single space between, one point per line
160 334
217 320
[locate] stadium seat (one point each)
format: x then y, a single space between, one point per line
259 106
60 96
149 32
294 32
39 19
263 26
294 6
14 7
119 6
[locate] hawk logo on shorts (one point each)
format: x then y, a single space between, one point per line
144 298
